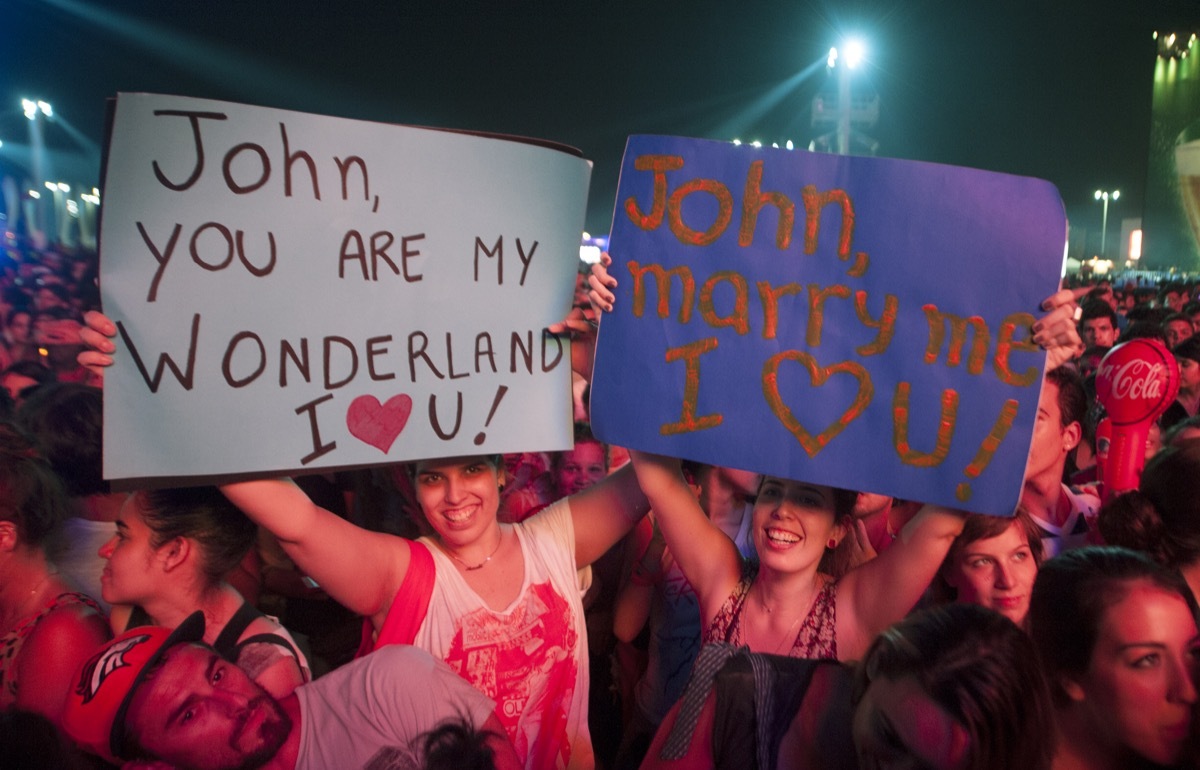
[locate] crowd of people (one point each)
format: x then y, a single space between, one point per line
596 607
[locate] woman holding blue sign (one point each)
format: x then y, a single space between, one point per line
500 603
789 604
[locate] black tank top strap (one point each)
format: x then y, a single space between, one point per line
269 638
227 641
138 617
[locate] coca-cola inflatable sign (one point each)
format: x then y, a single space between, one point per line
1135 384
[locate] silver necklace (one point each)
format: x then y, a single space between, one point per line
472 568
787 635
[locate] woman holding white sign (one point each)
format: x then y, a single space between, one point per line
500 603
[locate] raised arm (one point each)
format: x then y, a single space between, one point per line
883 590
707 557
643 569
360 569
1056 331
604 512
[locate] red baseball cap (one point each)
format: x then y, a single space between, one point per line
95 712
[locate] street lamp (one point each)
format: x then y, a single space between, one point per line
1105 195
845 60
37 112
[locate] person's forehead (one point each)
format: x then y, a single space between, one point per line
793 484
445 463
1012 537
1048 399
584 450
131 508
183 667
1147 613
188 654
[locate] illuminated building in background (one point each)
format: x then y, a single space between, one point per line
1171 219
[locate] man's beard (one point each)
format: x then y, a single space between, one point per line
272 733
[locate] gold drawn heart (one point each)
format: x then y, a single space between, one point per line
819 376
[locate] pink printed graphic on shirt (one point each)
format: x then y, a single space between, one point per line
525 662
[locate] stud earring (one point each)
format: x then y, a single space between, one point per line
832 544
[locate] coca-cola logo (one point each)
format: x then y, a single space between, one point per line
1137 381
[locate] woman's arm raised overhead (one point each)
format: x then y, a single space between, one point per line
707 557
360 569
880 592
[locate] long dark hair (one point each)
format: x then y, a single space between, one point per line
204 515
31 495
1073 592
981 668
1171 481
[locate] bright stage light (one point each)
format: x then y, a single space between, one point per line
855 52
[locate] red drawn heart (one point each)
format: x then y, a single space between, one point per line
819 375
378 424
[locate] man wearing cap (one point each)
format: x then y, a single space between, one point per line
153 693
1187 401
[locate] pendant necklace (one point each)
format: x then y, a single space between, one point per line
787 635
472 568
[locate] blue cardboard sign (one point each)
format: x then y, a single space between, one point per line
297 291
856 322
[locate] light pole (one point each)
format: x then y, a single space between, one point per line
36 112
845 60
1105 195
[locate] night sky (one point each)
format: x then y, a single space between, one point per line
1058 90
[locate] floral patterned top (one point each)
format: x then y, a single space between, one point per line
816 639
11 643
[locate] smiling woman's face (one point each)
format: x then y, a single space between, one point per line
793 523
459 496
